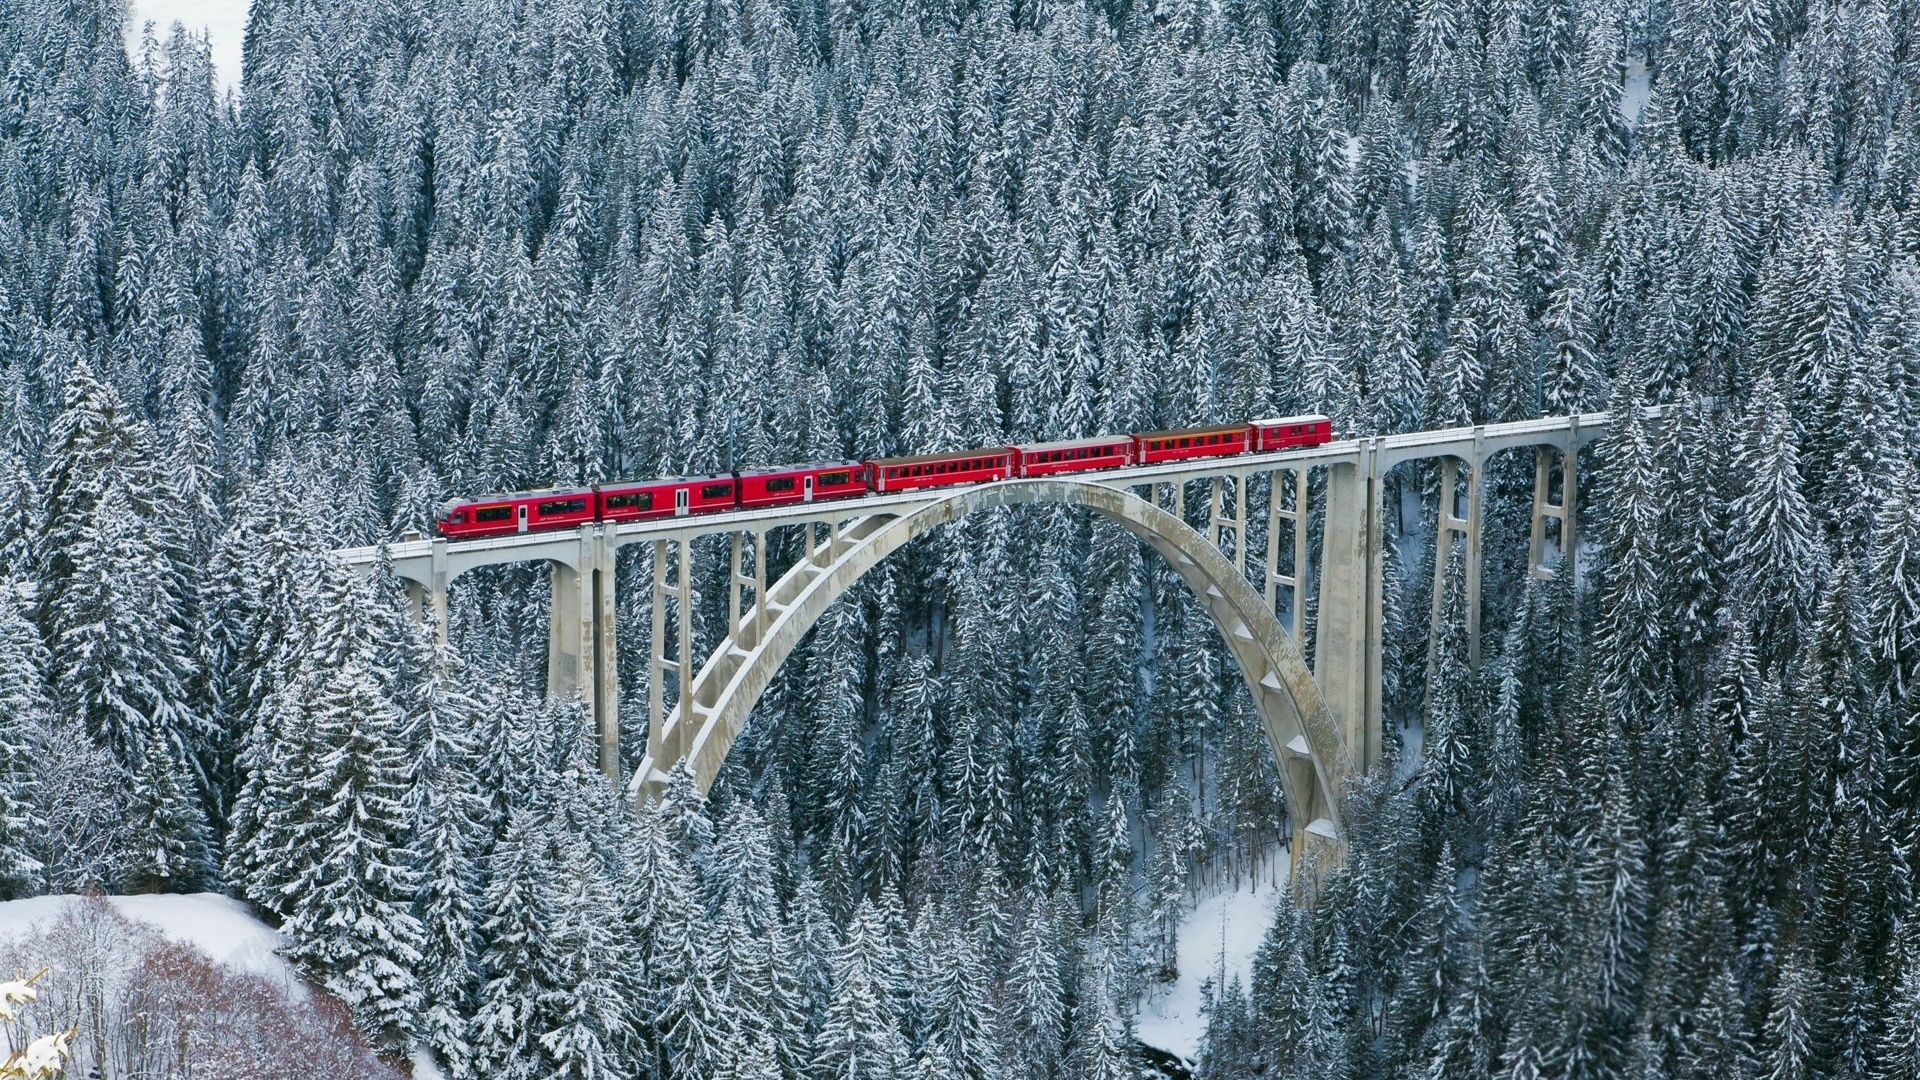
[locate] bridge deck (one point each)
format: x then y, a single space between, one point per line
1390 449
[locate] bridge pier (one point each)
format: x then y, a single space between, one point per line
1451 522
581 644
672 588
1546 509
1294 513
1347 653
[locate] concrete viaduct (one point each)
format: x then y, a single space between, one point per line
1324 723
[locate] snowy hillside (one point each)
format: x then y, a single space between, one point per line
1217 941
219 926
176 988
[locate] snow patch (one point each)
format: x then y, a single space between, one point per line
1633 95
219 926
424 1067
1221 934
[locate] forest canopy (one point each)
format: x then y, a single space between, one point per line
1669 828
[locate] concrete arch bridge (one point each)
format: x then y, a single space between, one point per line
1323 723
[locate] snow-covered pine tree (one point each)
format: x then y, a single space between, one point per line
23 728
1779 555
861 1039
447 837
349 907
120 663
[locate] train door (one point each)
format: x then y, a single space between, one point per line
680 501
520 515
806 485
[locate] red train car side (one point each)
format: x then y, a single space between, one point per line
802 484
527 511
1289 431
1073 455
536 511
667 498
939 470
1183 443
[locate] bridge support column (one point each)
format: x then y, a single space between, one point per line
747 621
428 599
606 653
1347 639
437 593
1227 516
580 643
1546 509
1279 509
1449 524
670 654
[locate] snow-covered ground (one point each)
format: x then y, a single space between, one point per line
219 925
1220 934
1633 96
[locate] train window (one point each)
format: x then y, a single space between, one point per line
562 506
716 491
631 500
834 477
780 483
459 517
493 513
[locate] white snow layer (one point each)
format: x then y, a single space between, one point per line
1221 934
424 1067
219 926
1633 96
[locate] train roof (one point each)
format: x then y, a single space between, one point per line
511 496
663 481
1073 444
1274 421
1181 433
957 455
803 466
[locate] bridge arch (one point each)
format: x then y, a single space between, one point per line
1306 741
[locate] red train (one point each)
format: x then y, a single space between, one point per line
535 511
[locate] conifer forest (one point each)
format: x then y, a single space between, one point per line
424 249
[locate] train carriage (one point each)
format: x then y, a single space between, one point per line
667 498
1285 432
524 511
1073 455
802 484
939 470
1183 443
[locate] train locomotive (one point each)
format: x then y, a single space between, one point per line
749 489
